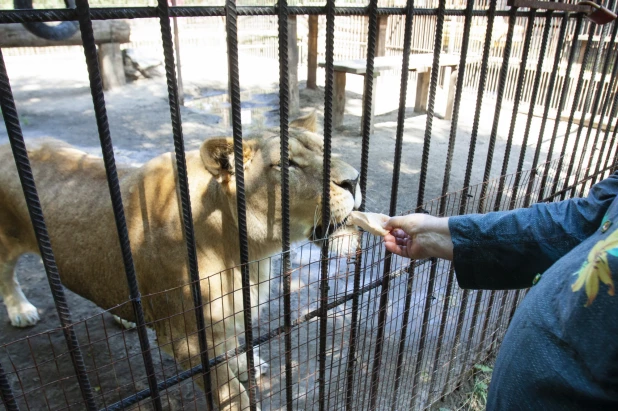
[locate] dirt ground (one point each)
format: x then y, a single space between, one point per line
53 100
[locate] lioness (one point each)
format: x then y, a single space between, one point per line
74 195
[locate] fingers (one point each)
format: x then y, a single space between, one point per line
395 222
398 242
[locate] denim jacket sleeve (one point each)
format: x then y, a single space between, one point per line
506 249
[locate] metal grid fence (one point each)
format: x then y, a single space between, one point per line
369 330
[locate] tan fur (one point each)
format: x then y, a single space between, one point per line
75 198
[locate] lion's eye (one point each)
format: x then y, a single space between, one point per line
291 162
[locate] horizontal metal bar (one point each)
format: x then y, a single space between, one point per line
241 349
111 13
577 183
546 5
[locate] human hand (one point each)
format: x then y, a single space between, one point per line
419 236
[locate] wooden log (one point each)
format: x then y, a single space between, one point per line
381 37
105 31
312 61
294 97
373 104
450 100
338 99
111 65
422 91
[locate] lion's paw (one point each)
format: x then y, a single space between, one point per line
127 325
23 314
261 367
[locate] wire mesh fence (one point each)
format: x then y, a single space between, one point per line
332 324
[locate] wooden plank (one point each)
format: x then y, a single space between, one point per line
422 91
381 37
105 31
418 62
360 66
450 100
312 60
110 63
546 5
294 97
338 98
373 105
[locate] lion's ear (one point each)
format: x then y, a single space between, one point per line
218 157
308 122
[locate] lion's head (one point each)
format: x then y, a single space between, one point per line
262 170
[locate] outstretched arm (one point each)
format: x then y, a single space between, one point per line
503 250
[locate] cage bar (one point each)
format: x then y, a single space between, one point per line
185 198
550 90
231 25
518 89
328 130
285 193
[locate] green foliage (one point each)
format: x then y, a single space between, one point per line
477 398
483 368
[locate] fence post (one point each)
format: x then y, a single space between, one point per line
312 52
292 37
381 36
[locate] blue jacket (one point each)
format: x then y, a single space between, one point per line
560 351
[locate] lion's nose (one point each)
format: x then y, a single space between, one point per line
349 185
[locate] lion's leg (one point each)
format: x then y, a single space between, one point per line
261 366
229 394
21 312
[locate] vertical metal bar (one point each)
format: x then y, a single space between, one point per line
185 199
473 137
407 44
328 129
504 71
578 90
613 113
351 363
457 102
98 100
421 189
437 49
606 104
447 173
368 95
548 98
181 92
514 306
537 151
533 96
582 122
284 79
371 48
614 163
492 141
20 154
403 336
595 105
6 393
479 104
563 99
520 82
231 24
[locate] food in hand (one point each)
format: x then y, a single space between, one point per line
371 222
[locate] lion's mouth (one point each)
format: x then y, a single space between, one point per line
318 233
